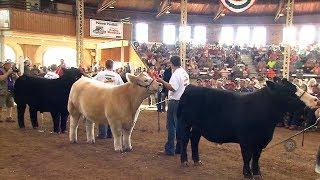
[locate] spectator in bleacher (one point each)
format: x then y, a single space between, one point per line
225 72
316 69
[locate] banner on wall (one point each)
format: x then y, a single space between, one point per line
106 29
237 6
4 19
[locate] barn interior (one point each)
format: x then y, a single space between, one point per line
135 34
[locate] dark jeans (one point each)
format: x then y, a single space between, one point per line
173 127
104 131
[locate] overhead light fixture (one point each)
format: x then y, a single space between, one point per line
223 14
167 12
111 7
281 14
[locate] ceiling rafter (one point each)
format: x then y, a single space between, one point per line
103 5
220 12
165 6
280 10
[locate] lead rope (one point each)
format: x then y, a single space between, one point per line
298 133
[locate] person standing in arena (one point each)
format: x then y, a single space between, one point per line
7 79
176 86
113 78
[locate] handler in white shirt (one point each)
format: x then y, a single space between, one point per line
51 74
176 86
113 78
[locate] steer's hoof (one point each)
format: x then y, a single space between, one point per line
185 164
198 163
127 149
248 177
119 150
257 177
73 142
91 141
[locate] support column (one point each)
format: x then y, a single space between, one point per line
287 50
183 40
1 46
80 30
122 53
98 55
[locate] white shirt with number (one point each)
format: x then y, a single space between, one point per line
109 77
179 80
51 75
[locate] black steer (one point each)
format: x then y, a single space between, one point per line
227 117
45 95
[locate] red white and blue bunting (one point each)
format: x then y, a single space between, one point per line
237 5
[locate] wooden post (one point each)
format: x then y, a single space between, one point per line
80 31
287 50
183 40
1 46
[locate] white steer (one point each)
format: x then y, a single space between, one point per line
117 106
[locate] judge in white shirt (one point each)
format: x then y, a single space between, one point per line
113 78
176 86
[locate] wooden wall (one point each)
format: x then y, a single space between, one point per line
114 54
53 24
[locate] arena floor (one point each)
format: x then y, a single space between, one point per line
29 154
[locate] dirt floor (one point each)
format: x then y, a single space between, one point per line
30 154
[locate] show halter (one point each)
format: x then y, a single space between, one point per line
147 86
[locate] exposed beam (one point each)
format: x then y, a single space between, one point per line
219 13
280 10
103 5
165 6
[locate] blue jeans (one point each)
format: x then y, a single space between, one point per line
173 128
104 131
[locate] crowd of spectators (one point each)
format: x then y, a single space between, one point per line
209 60
269 60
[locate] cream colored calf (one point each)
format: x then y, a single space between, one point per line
117 106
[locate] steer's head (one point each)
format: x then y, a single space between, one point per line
143 80
292 95
72 74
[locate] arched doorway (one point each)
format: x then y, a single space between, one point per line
53 55
9 53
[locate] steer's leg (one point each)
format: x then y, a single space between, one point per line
56 121
255 163
246 155
21 109
74 123
185 136
116 129
127 131
33 117
90 131
64 119
195 138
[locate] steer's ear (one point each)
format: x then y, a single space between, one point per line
271 85
131 78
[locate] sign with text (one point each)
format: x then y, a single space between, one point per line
106 29
4 19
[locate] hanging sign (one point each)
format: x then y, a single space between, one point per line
237 6
106 29
4 19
